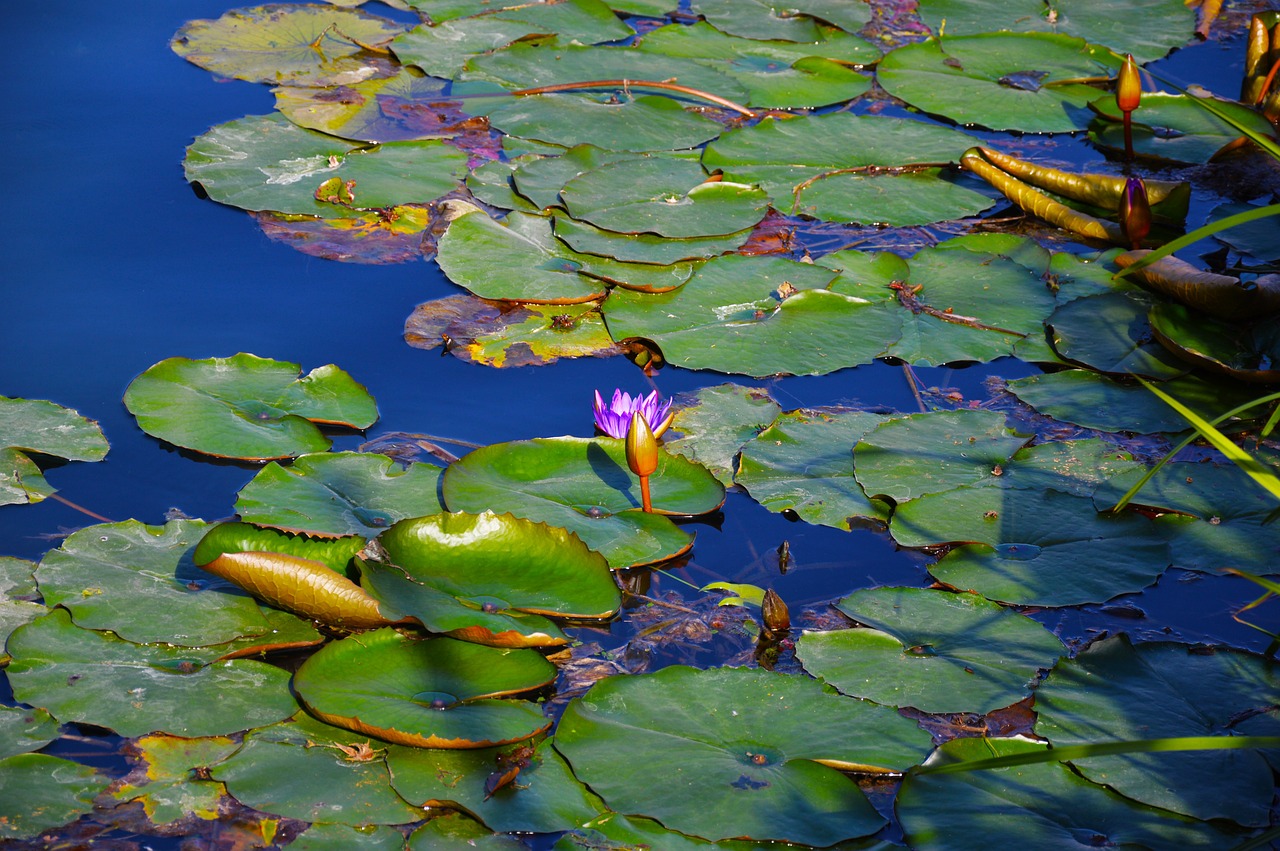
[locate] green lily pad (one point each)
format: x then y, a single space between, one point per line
1001 81
442 48
794 21
1095 22
396 109
298 45
647 123
38 792
907 457
732 752
614 832
245 406
643 247
342 837
717 423
544 796
339 493
17 598
94 678
867 274
1076 467
505 334
932 650
1259 238
29 426
1243 352
917 197
540 179
585 486
24 730
455 831
265 162
298 769
165 784
1032 549
138 581
1045 805
1109 332
447 10
757 315
1171 127
491 184
803 463
1117 691
432 693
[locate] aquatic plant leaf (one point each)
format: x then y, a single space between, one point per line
23 730
646 123
585 485
139 582
540 179
643 247
343 837
762 19
443 47
298 45
31 426
803 463
757 315
1222 296
164 782
1243 352
964 78
733 752
339 493
245 406
17 598
1030 549
933 650
1109 332
39 792
94 678
1115 690
907 457
544 797
384 236
1045 805
1259 238
265 162
406 106
299 769
1076 467
1171 127
430 693
456 831
717 422
447 10
917 197
1095 22
615 832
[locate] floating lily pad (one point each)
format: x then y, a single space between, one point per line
245 406
406 106
300 45
932 650
803 463
793 21
541 179
166 783
138 581
38 792
1095 22
544 796
757 315
1259 238
29 426
585 486
442 48
1117 691
455 831
1173 127
916 197
1109 332
265 162
866 274
385 236
716 424
647 123
733 752
908 457
94 678
1044 805
1030 549
340 493
1243 352
1002 81
432 693
1075 467
24 730
643 247
614 832
299 769
342 837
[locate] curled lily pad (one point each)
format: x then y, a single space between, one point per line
646 123
28 426
1248 353
1109 332
39 792
302 575
585 486
732 752
245 406
1223 296
432 693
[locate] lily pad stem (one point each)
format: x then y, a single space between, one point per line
645 502
646 84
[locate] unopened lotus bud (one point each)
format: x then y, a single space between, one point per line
1128 85
777 619
642 446
1135 212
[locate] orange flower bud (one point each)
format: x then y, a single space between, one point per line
1135 212
642 447
1128 85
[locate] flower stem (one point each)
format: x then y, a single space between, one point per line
644 494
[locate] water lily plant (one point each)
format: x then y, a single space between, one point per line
1128 96
615 420
642 455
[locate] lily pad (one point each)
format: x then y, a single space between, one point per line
339 493
23 730
1116 691
647 123
400 108
1110 333
757 315
907 199
94 678
733 752
973 79
585 486
342 837
384 236
298 45
1076 467
431 693
803 463
932 650
1246 353
794 21
643 247
1172 127
245 406
717 423
17 598
614 832
37 427
907 457
540 179
265 162
455 831
38 792
166 783
1259 238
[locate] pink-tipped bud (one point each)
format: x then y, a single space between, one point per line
1128 85
1135 212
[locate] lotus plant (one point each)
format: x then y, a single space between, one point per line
615 420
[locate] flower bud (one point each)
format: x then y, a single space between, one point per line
1135 212
642 447
1128 85
774 612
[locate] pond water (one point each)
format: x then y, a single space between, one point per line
113 264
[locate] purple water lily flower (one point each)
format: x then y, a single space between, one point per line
615 419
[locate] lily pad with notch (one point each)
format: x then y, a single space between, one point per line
165 781
1110 333
405 107
1244 352
717 422
644 123
37 427
762 19
643 247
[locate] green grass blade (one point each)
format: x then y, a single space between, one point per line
1199 234
1074 752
